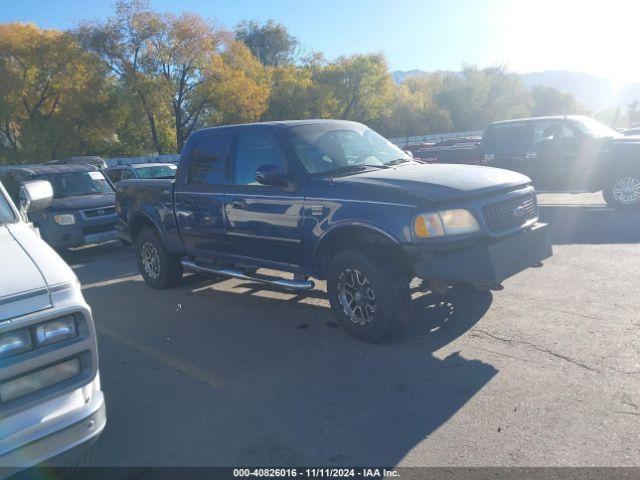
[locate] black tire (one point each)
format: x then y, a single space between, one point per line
391 302
159 268
614 191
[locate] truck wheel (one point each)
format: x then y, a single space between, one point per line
368 295
623 191
159 268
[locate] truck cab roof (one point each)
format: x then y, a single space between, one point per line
35 170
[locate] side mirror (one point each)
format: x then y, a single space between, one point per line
34 196
408 152
270 175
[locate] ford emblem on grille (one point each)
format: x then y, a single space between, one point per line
520 211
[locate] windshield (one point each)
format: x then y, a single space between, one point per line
77 183
6 212
331 146
594 128
157 171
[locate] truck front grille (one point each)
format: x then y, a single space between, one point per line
509 214
99 212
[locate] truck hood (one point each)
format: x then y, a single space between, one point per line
34 271
439 182
82 202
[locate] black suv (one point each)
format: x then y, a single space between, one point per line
568 153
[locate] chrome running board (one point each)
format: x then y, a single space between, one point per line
230 272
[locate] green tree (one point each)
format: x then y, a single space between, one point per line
176 66
415 109
551 101
125 43
357 87
52 96
270 42
475 97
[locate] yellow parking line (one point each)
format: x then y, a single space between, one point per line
175 363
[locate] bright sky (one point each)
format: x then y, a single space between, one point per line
590 36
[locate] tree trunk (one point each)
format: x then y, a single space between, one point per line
177 112
152 125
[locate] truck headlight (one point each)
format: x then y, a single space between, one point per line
64 219
14 343
55 331
445 222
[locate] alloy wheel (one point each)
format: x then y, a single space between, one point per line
150 260
356 296
626 190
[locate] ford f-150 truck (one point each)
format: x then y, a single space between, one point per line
333 200
51 403
568 153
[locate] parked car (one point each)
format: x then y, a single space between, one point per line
83 209
81 160
141 171
334 200
51 403
464 150
568 153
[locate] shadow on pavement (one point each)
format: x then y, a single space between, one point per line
211 377
590 224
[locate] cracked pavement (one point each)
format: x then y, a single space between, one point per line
544 372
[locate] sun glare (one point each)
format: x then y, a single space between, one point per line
594 37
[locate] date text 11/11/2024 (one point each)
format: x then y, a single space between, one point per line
315 472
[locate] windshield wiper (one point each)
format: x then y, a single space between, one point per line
346 169
398 161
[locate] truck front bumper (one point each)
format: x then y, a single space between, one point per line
488 264
70 423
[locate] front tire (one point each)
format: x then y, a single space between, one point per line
622 192
159 268
369 295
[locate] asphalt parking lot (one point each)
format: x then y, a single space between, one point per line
227 373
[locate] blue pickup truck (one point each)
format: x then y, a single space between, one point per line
331 200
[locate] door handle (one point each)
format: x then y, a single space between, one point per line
531 155
239 203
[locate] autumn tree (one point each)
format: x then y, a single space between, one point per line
551 101
178 65
270 42
54 98
475 97
125 43
357 87
415 109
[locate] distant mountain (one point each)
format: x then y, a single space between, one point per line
593 92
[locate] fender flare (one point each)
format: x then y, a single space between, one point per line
338 228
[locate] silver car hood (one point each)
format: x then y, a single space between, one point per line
29 271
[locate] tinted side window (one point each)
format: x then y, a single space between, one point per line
114 175
127 175
256 148
208 159
506 139
552 134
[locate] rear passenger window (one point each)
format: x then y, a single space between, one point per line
208 159
506 139
114 175
127 175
